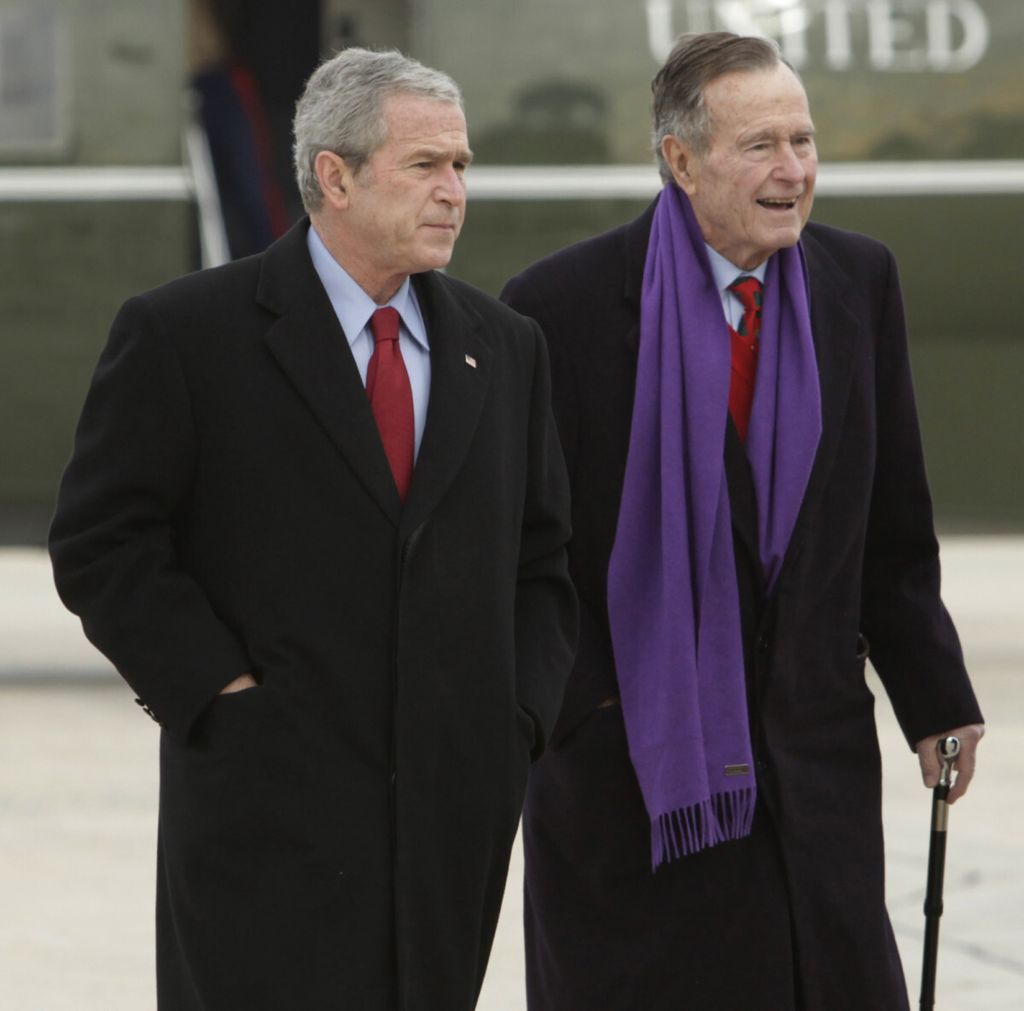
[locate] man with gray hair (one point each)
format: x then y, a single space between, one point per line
316 516
750 518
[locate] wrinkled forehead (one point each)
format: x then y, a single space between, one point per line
746 96
411 120
408 108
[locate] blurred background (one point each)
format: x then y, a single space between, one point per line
140 139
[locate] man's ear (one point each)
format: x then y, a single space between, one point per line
335 179
681 163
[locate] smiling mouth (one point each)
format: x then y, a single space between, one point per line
775 204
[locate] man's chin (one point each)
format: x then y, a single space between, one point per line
787 235
437 259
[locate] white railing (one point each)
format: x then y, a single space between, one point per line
835 179
46 184
192 182
195 182
534 182
213 235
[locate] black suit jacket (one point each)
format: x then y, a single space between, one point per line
340 833
862 567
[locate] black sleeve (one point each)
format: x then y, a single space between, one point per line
113 536
914 646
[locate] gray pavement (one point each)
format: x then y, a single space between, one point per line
78 812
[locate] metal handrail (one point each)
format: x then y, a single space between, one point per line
213 236
47 183
533 182
193 181
835 179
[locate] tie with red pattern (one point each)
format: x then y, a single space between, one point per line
387 386
744 352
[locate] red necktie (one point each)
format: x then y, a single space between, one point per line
387 386
744 352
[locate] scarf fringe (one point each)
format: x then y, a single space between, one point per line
720 818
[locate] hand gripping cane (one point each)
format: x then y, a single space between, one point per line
948 748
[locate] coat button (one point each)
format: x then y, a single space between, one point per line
764 642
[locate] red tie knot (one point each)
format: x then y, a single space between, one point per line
748 291
384 324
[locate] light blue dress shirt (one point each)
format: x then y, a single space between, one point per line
354 307
725 273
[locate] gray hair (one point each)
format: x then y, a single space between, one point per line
342 109
678 108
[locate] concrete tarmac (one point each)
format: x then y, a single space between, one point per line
78 812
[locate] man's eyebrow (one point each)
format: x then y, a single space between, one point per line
772 133
431 153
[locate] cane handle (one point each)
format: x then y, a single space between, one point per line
948 748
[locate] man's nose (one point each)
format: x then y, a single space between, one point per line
791 166
451 187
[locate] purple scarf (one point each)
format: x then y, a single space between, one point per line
673 601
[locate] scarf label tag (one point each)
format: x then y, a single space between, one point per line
742 769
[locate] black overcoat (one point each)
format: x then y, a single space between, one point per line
337 838
794 916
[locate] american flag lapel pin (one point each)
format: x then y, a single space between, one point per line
471 361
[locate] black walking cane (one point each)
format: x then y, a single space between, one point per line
948 748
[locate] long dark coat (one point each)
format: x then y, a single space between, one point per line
794 916
337 838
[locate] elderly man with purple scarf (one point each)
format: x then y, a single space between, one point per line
751 518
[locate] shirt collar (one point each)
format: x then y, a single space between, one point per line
352 305
725 272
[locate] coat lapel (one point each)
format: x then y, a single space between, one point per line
310 348
460 375
836 331
637 237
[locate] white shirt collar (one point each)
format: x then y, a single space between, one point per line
352 305
725 272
